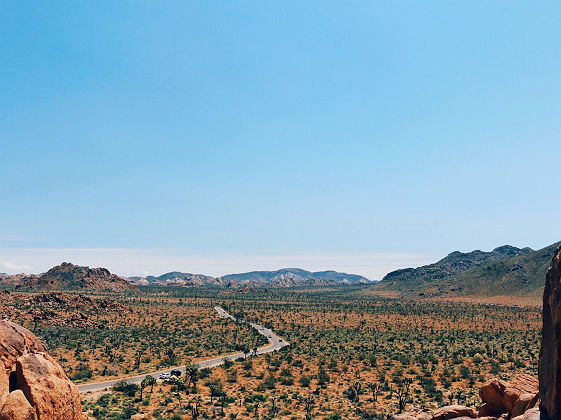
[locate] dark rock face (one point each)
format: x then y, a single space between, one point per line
550 353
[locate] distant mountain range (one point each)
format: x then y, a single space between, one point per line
286 277
291 277
176 278
506 270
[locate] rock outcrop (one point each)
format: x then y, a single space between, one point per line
514 397
33 385
68 276
550 353
501 399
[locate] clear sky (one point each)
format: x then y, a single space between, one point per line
213 137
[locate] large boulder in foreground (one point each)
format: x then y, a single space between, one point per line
33 385
513 397
550 353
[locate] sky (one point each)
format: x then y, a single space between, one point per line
221 137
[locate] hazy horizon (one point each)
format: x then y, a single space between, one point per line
153 262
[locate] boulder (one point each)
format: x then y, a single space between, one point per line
414 415
492 394
454 411
522 404
531 414
16 407
458 412
32 384
550 353
501 397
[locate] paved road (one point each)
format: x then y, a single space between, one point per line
275 343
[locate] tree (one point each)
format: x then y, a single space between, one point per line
222 400
270 382
374 388
403 394
149 380
304 381
171 358
323 377
191 372
215 390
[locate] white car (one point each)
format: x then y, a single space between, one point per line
165 375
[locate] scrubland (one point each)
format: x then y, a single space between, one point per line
351 355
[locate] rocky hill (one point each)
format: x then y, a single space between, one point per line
293 277
522 275
454 263
504 271
176 278
68 276
12 280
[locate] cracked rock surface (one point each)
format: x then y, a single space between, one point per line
33 385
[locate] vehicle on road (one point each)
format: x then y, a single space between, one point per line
176 373
164 375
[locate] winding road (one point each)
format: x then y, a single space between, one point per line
275 343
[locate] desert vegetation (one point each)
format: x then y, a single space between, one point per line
351 355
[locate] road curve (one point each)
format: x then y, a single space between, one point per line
275 343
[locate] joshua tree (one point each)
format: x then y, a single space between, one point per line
222 400
374 388
191 372
195 408
403 393
149 381
274 407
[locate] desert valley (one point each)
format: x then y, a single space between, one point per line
419 339
296 210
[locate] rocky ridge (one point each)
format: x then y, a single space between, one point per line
454 263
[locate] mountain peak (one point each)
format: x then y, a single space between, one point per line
68 276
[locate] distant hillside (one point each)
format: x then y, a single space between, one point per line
12 280
522 275
506 271
68 276
293 277
410 279
176 278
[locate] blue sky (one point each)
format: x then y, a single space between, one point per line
224 136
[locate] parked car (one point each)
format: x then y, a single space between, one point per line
176 373
165 375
